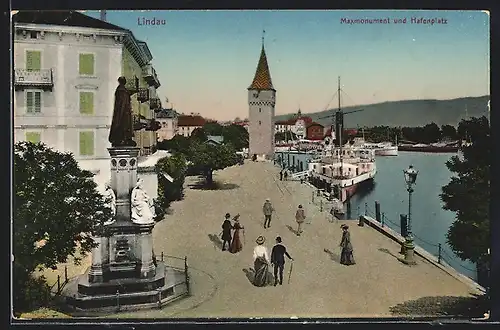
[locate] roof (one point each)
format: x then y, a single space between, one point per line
167 113
190 120
314 124
215 138
293 120
64 18
262 79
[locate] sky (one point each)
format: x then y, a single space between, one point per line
206 60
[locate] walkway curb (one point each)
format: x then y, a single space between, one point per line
424 254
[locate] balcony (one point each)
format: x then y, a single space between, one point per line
143 95
153 125
43 79
154 103
140 122
132 84
150 76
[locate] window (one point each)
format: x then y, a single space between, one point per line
86 64
87 143
33 137
33 34
33 102
260 122
260 109
33 60
87 103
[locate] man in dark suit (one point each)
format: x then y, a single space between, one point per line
226 232
278 260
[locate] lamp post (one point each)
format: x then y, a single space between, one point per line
410 175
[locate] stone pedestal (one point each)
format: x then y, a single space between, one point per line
100 260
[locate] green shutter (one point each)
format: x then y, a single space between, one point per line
86 143
29 102
33 60
87 103
86 64
33 137
38 101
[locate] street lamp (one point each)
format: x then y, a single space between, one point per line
410 175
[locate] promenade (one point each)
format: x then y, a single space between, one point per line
319 285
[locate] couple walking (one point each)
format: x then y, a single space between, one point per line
262 262
233 241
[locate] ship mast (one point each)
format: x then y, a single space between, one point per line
340 128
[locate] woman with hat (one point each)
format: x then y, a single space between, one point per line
261 263
236 245
346 256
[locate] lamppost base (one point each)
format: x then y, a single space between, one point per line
409 252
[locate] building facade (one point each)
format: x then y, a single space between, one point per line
188 123
297 124
315 131
66 67
261 109
169 122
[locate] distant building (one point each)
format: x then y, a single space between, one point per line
66 67
261 102
243 123
188 123
315 131
297 125
168 119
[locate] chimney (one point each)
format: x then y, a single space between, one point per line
103 15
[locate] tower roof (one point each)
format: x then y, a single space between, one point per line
262 79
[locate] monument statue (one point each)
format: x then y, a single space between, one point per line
142 204
121 132
110 201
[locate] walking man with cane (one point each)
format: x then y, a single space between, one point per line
278 260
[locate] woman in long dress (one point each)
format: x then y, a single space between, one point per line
236 245
346 256
261 263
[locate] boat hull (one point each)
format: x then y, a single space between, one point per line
392 151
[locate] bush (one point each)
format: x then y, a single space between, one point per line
176 167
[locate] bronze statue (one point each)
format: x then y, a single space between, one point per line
121 132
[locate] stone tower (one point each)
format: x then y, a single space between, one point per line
261 101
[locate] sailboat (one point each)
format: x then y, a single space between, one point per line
343 167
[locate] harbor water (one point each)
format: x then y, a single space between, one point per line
430 222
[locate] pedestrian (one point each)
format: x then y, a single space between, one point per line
226 232
236 245
281 175
261 262
301 179
286 175
346 256
268 210
278 260
300 217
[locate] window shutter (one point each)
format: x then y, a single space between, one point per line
86 64
38 102
86 143
29 102
33 60
87 103
33 137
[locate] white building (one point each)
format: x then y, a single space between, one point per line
66 68
168 119
188 123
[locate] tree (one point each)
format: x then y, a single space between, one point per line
208 157
57 209
285 136
176 167
236 135
449 131
213 128
430 133
468 195
178 143
199 134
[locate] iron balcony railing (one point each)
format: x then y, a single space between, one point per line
143 95
132 84
154 103
24 78
150 76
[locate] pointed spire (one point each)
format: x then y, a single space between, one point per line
262 79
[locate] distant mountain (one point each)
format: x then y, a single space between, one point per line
406 113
